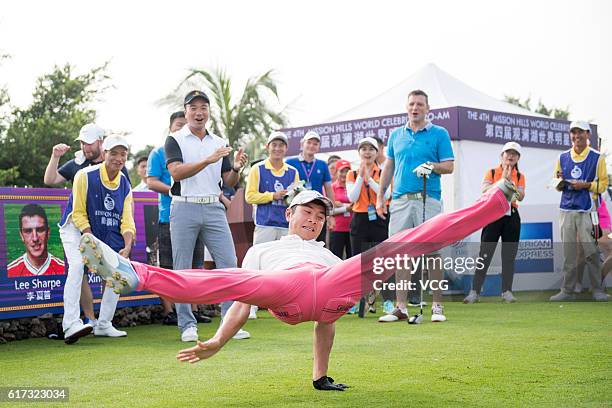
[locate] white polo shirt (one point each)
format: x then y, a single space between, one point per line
184 146
288 251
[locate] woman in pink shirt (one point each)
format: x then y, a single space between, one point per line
339 237
603 241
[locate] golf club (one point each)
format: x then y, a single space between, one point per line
418 318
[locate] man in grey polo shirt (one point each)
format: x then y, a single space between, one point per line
197 161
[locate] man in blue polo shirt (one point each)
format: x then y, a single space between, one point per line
314 172
418 149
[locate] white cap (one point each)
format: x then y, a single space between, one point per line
580 124
311 134
512 146
277 136
308 196
90 133
113 141
368 140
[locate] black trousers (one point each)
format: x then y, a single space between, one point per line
508 228
340 244
365 234
323 235
165 248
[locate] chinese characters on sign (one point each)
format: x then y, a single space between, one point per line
526 130
346 135
461 123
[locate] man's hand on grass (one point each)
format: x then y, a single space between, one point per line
201 351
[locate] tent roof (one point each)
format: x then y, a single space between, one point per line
444 91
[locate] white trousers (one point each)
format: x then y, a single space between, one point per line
70 236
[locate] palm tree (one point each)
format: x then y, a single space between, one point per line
246 121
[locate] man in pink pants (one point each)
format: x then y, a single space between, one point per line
311 284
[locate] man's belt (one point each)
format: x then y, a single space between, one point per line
412 196
196 200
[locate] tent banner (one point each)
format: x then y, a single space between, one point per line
462 124
33 265
528 131
339 136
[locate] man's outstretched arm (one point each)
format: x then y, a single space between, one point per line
235 318
323 341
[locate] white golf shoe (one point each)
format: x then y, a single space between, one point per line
241 335
109 265
472 297
437 313
508 297
76 331
190 334
510 190
108 331
562 296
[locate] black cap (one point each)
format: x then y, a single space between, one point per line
195 94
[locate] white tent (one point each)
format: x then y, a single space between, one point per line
446 91
539 210
443 90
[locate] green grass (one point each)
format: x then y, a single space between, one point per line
527 354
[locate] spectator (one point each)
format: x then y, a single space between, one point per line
34 232
331 166
339 237
91 153
141 169
367 228
387 294
508 227
582 175
197 160
159 180
603 242
380 157
101 203
417 150
266 189
314 172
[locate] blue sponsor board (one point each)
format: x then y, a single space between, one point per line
535 252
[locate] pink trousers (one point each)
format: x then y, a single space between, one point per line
312 292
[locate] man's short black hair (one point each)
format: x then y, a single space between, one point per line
378 140
333 158
418 92
141 159
32 210
175 116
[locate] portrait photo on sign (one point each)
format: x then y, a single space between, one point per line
33 244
